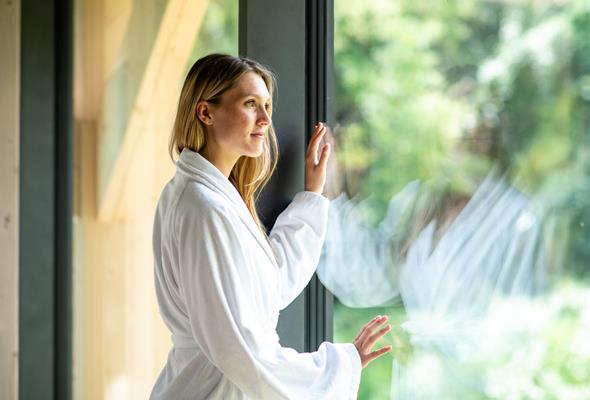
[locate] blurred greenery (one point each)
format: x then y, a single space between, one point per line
219 31
507 82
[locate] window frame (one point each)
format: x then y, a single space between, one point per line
270 32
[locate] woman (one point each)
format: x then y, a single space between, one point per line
220 279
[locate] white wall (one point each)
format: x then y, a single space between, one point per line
9 181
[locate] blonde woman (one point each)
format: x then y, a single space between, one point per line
220 279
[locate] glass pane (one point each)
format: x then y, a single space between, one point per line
461 195
131 58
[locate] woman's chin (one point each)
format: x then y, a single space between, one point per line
254 153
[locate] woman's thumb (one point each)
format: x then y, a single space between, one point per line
325 155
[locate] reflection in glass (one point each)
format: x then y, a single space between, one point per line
461 192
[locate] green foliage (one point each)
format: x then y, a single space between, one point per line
439 91
219 30
413 79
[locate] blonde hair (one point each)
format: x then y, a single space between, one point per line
208 79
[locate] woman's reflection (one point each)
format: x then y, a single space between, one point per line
454 249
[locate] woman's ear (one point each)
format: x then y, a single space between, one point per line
204 112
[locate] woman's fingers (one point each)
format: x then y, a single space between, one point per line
368 336
377 335
372 325
377 353
316 167
314 135
358 335
325 154
364 328
314 143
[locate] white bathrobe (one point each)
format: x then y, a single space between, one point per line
220 284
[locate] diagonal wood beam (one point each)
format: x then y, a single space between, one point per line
119 169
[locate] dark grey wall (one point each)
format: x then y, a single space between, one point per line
45 212
37 199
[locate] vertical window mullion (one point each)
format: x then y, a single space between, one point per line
318 70
271 32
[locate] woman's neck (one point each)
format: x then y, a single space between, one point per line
222 162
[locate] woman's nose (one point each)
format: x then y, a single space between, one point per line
263 117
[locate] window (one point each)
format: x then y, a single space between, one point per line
460 195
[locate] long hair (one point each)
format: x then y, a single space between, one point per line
207 80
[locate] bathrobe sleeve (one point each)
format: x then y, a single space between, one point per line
227 326
296 239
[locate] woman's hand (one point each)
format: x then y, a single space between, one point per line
315 170
368 336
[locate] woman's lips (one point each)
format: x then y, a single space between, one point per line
258 135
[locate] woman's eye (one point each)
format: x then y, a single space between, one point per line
251 103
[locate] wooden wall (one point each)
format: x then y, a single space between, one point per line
9 183
130 60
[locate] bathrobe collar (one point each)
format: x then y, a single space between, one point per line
198 168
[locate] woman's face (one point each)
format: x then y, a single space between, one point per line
240 121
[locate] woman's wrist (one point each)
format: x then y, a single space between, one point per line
310 196
313 190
